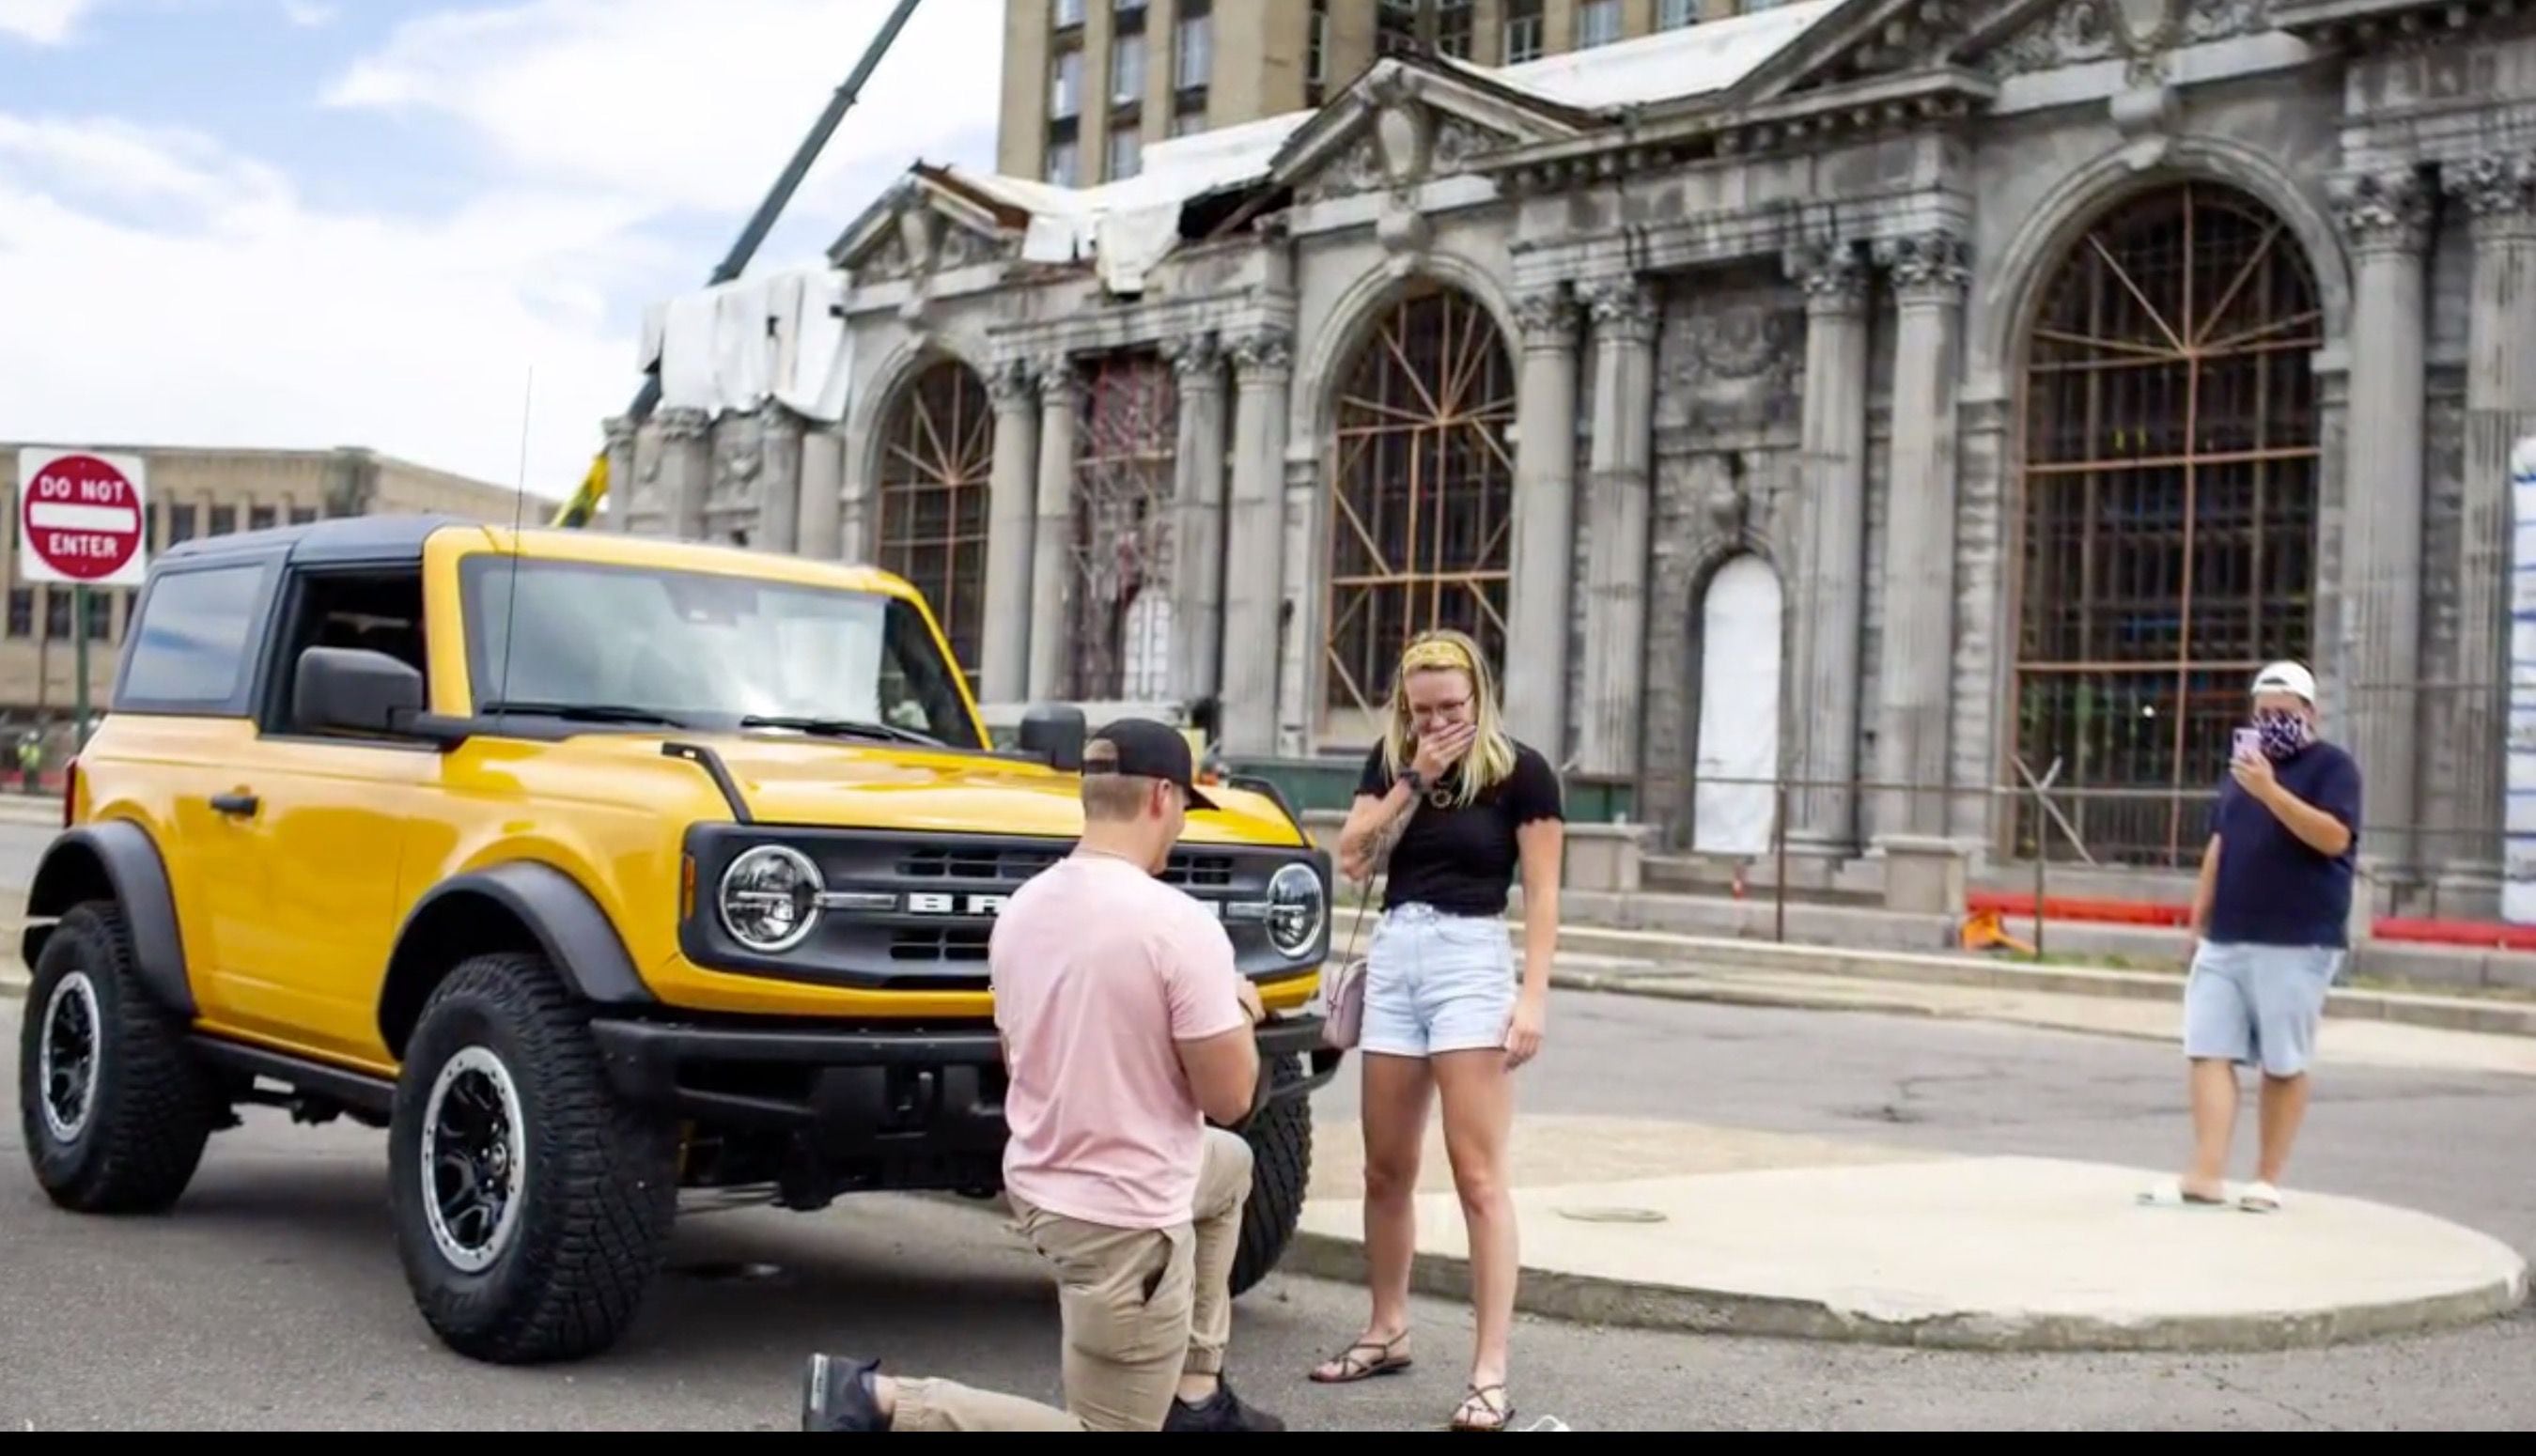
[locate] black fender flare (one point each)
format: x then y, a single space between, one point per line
117 859
566 924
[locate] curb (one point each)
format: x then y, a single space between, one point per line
1595 1300
1662 950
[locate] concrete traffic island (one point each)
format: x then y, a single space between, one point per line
1980 1253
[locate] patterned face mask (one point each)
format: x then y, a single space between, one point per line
2283 734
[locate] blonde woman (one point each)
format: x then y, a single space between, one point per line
1462 807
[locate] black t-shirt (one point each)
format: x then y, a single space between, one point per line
1462 860
2273 889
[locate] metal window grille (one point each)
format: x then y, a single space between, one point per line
2171 453
1127 444
935 467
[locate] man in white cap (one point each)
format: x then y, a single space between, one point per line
2271 927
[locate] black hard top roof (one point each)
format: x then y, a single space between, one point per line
393 537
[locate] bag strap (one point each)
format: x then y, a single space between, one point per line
1381 862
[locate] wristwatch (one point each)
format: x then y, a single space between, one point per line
1415 781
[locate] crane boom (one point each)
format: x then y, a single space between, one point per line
584 502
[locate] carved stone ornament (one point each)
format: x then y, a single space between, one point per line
1012 384
2382 211
1746 340
1623 308
1194 358
2142 32
619 430
1833 275
1933 262
1359 170
1403 132
683 423
2495 184
1264 351
1547 319
1725 496
1057 380
919 230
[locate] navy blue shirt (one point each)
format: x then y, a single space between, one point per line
2273 889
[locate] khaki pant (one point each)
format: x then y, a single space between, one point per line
1141 1306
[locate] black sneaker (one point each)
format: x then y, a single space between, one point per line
1222 1411
837 1395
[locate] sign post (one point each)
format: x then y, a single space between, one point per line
80 523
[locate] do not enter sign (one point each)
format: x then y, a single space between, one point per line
80 516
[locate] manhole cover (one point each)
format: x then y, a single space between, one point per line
1613 1215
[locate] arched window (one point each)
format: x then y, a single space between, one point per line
2171 454
1127 450
1421 491
935 460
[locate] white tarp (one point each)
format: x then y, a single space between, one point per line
2519 875
1738 711
1669 65
777 335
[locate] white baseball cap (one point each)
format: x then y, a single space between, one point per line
2286 678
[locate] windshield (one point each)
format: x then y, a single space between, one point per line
703 650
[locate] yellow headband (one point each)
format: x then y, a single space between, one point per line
1436 652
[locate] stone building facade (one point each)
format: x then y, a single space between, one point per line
1946 390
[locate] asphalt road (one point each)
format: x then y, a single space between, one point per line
270 1299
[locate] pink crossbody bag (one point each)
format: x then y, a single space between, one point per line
1343 1021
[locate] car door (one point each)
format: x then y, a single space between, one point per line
315 820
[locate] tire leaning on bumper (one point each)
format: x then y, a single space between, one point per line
596 1194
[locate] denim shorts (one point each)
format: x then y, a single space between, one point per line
1437 982
2257 1004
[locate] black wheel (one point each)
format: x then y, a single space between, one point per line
530 1206
1280 1151
114 1105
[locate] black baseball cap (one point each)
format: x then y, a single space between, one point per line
1143 749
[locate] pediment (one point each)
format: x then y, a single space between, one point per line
1997 38
924 225
1409 121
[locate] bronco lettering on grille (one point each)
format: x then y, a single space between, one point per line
935 903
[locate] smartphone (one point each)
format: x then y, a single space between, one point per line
2246 742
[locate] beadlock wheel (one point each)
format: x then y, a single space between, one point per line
67 1056
474 1159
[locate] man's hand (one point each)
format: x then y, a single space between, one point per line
1523 1033
2254 775
1251 1006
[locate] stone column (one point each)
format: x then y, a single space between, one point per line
1930 271
1303 627
2386 217
779 480
1617 487
620 430
1263 365
1543 563
1197 519
856 502
1832 616
1012 519
2498 192
686 472
1052 551
823 479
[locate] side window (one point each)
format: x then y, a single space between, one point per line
373 609
195 642
916 685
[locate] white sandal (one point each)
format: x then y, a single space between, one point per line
2169 1194
2260 1198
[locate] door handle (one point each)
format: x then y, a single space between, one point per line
237 805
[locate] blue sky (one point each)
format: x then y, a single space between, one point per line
313 223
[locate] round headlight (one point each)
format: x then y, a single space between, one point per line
1296 905
770 898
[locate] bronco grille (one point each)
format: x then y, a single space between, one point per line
1009 868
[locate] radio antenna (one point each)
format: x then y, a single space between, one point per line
519 516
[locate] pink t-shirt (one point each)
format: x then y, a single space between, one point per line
1099 969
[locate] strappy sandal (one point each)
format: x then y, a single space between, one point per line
1352 1367
1501 1409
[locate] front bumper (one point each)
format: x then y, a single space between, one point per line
867 1092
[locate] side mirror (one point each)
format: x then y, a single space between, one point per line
1054 732
353 690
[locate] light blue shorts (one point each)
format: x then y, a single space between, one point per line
2257 1004
1438 983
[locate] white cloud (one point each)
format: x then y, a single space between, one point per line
308 15
249 319
43 22
649 96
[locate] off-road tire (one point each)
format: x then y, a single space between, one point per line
596 1191
1280 1169
138 1136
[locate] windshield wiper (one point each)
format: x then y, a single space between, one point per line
578 712
841 728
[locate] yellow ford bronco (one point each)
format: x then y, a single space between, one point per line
596 870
